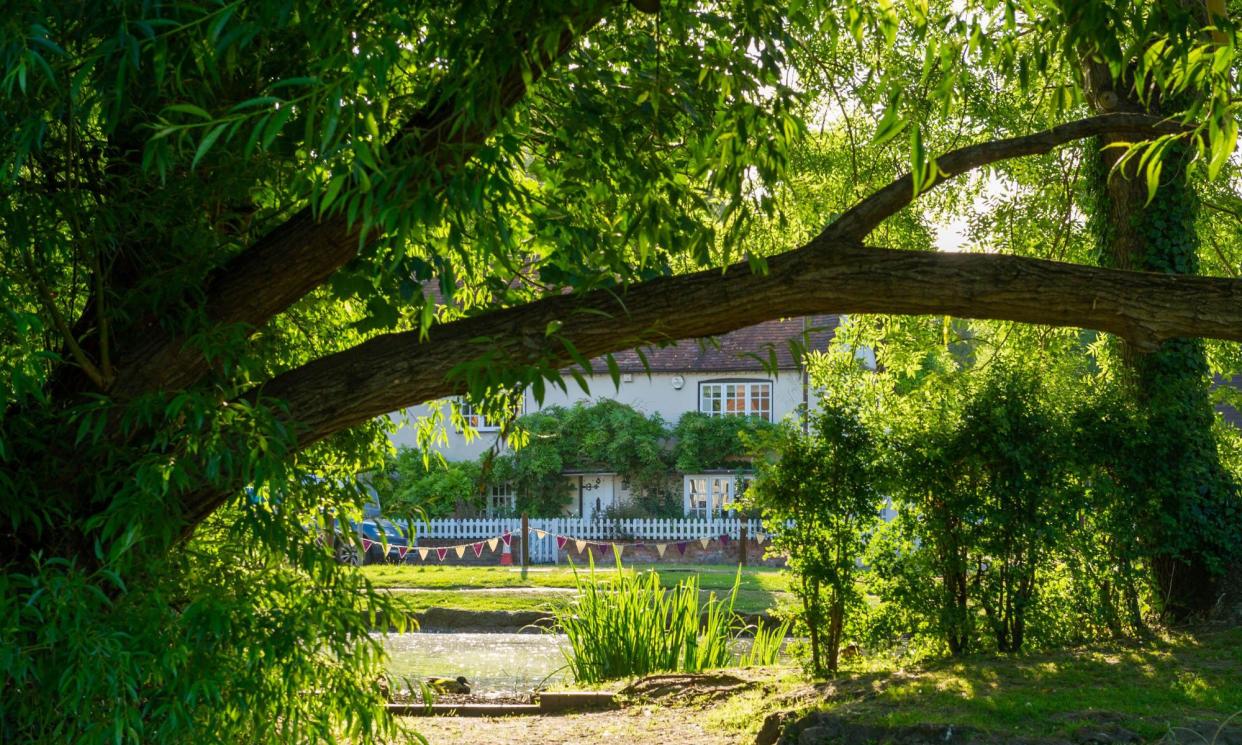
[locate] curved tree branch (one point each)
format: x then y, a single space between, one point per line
394 371
301 254
864 217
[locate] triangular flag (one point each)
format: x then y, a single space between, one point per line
724 539
661 548
580 545
507 537
402 551
441 552
620 547
760 537
541 534
491 543
705 541
367 543
478 549
681 547
422 552
460 550
560 542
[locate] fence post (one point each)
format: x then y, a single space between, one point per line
741 545
525 544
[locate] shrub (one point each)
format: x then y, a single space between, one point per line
823 487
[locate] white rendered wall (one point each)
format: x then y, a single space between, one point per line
654 394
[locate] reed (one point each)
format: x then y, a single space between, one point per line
630 625
765 647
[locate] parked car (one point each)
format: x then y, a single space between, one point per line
380 533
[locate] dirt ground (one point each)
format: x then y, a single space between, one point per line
659 709
639 725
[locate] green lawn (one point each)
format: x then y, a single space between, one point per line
1147 688
761 588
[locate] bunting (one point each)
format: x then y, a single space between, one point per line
580 545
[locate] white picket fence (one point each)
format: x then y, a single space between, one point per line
544 551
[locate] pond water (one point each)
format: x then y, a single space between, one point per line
498 664
493 663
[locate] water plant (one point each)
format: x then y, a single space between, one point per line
629 624
765 646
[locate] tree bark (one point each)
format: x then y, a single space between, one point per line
1183 485
302 253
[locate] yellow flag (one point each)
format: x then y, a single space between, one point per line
661 548
491 543
620 548
704 541
580 545
460 551
422 553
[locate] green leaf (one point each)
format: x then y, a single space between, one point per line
206 144
189 108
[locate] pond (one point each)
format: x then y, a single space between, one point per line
493 663
496 664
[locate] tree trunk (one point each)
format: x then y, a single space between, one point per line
1183 487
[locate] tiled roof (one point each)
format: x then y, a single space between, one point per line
728 353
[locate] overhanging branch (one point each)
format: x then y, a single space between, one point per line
302 253
864 217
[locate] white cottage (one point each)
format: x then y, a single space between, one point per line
719 378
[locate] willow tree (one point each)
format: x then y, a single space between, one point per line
236 233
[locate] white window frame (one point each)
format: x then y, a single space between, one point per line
498 494
736 398
475 420
708 495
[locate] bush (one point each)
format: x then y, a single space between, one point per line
824 488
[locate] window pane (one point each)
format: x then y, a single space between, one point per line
761 400
709 399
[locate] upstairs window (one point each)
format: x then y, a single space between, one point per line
488 419
752 398
474 417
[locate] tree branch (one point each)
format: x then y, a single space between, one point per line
866 216
394 371
301 254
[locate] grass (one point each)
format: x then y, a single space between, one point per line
760 590
1148 688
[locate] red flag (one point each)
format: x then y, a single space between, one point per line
442 552
560 542
507 537
478 549
402 551
724 539
681 547
367 543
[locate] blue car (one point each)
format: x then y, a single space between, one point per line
377 532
